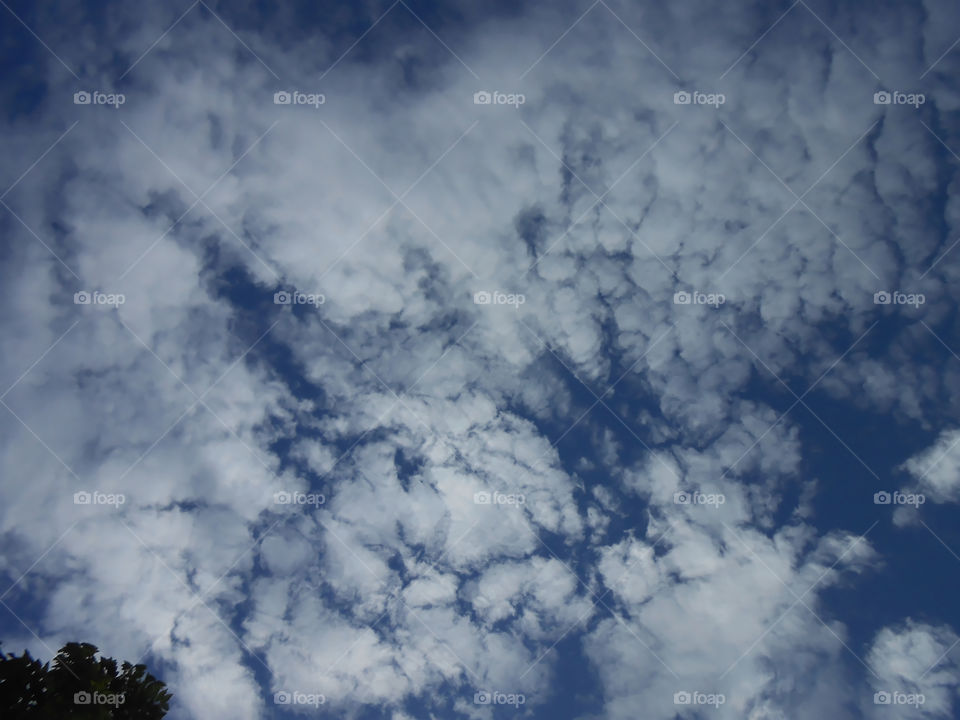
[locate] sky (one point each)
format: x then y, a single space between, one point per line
401 360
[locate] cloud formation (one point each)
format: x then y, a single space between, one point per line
408 485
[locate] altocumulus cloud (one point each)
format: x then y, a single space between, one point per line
417 401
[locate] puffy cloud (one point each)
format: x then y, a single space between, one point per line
681 622
936 470
915 675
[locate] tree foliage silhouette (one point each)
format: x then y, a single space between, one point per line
78 685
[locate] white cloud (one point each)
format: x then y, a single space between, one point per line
915 674
936 470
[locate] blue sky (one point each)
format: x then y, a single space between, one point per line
408 360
